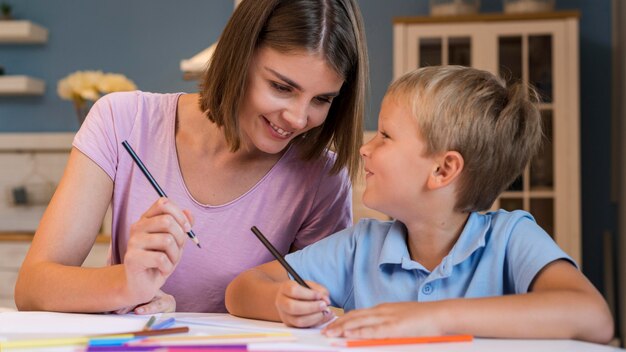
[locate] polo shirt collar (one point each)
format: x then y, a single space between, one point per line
395 249
394 245
472 238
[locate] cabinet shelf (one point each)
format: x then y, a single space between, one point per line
21 85
22 32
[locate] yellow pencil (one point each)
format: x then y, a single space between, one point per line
58 341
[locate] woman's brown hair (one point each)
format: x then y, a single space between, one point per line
332 28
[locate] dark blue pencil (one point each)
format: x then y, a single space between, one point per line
278 256
154 184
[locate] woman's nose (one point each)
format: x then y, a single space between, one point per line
296 116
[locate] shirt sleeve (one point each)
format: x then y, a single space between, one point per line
329 262
529 250
331 210
106 126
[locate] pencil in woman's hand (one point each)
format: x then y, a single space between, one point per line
153 182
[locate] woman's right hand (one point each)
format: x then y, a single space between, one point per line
154 248
301 307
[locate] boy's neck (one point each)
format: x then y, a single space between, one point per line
430 240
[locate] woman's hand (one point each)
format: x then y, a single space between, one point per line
160 303
302 307
387 320
154 248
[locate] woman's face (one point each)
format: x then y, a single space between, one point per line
287 95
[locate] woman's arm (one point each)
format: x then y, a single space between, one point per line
562 304
267 293
51 277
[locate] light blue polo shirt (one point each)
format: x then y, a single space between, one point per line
497 253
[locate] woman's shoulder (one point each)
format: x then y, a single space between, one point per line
136 98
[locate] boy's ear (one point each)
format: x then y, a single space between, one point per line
447 169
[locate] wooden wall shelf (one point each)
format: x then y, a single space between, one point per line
22 32
21 85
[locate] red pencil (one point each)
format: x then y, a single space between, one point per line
406 340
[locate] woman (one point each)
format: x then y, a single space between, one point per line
286 83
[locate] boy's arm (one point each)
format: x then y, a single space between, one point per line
562 303
267 293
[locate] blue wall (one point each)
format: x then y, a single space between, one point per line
146 39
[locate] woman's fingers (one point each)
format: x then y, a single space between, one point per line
161 303
165 216
155 259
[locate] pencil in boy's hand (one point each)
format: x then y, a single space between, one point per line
154 184
278 257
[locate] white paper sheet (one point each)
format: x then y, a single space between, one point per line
232 322
65 323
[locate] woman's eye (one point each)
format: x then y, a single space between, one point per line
324 100
280 87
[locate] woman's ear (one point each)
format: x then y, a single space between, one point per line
446 169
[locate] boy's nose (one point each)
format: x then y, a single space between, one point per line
364 150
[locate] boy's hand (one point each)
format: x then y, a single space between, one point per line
301 307
387 320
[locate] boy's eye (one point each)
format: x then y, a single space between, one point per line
384 135
280 87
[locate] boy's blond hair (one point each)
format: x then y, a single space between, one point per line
497 129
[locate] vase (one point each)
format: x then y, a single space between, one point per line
528 6
82 108
453 7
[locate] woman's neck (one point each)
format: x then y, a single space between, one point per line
196 131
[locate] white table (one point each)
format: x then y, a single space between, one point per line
21 325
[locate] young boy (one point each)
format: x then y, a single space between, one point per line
450 140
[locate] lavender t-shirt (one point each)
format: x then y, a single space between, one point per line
295 203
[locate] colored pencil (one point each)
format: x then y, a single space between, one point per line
149 323
213 348
278 256
163 324
153 332
154 184
85 340
405 340
227 339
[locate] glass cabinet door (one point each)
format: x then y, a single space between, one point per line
452 50
528 59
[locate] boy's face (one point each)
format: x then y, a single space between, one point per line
395 165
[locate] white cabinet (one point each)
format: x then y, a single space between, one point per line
538 48
13 249
21 32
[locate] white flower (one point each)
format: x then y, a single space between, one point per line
115 82
90 85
